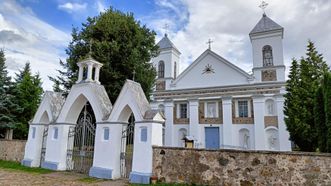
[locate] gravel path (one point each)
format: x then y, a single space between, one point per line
14 177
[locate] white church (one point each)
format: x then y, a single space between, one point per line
213 104
219 105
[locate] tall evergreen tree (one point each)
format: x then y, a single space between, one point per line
327 110
299 107
8 109
28 93
121 43
319 114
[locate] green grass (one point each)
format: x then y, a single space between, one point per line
17 166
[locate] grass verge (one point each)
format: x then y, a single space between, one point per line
90 180
17 166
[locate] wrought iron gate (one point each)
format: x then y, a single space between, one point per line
43 145
127 149
81 143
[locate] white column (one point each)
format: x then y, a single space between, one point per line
80 73
194 120
33 146
259 133
169 123
56 148
107 152
284 136
146 135
96 75
89 71
227 121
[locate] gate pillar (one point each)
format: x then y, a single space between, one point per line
33 146
56 151
107 152
146 134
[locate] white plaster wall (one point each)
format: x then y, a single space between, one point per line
235 134
169 57
143 152
33 145
107 152
176 137
275 41
169 125
223 76
259 104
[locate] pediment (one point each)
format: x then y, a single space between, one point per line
211 70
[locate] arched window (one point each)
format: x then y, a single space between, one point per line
175 70
182 133
161 70
244 139
267 56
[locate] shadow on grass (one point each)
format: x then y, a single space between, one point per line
17 166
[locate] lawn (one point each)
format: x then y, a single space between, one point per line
17 166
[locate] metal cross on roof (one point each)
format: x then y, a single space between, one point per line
166 28
90 48
263 6
209 42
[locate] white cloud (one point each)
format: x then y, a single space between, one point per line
228 23
72 7
27 38
100 6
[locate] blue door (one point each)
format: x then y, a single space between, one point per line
212 136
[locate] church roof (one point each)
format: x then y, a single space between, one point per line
165 43
264 25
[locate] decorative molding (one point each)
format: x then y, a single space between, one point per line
160 85
270 121
269 75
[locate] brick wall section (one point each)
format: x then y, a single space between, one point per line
12 150
234 167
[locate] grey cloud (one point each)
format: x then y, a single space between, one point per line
12 64
7 36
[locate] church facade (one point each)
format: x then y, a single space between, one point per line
217 104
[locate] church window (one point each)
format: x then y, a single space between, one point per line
106 133
55 133
267 56
175 70
161 69
143 134
243 108
211 111
33 132
182 110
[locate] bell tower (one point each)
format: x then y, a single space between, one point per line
166 63
89 70
267 44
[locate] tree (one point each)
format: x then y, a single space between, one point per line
28 93
320 125
119 42
326 134
8 109
299 100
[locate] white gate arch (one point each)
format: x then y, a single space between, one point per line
47 113
57 141
130 100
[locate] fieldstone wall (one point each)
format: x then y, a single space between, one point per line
235 167
12 150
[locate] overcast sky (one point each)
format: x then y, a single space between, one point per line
38 31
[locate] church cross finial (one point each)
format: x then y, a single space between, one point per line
209 42
90 48
133 75
263 6
166 29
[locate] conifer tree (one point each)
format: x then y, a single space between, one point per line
320 124
8 109
28 93
326 133
299 102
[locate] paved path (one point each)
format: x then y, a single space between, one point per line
14 177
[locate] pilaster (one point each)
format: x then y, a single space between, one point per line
169 114
227 121
284 136
194 119
259 133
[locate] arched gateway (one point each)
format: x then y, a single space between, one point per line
91 135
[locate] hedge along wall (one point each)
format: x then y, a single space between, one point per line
12 150
235 167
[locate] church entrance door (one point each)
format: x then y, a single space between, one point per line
212 137
127 148
81 142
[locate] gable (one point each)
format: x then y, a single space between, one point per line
222 73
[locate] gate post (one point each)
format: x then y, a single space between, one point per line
107 152
33 145
146 134
56 147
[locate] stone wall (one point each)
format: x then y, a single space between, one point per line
12 150
233 167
